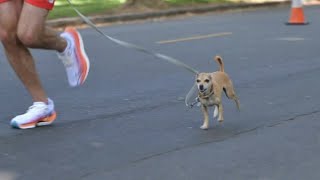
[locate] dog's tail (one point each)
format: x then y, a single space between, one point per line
220 62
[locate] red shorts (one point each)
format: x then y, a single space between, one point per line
45 4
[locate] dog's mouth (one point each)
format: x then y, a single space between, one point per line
202 91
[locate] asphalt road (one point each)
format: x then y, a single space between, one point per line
129 121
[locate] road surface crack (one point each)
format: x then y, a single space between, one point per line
227 137
177 149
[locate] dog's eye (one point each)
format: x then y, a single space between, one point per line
198 80
207 80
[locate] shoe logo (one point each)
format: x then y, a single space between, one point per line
51 1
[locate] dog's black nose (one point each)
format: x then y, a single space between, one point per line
201 87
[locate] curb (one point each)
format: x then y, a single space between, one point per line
76 21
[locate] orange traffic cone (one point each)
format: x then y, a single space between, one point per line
297 15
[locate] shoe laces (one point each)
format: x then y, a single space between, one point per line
36 107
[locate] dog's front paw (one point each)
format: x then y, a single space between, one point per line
204 127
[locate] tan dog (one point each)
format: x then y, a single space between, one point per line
210 86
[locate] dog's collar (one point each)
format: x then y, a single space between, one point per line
207 96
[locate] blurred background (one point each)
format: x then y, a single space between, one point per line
95 7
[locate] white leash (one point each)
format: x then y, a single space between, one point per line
141 49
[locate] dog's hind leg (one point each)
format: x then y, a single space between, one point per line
205 125
230 93
220 110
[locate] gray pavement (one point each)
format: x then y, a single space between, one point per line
129 122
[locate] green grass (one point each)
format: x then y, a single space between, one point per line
62 9
92 7
185 2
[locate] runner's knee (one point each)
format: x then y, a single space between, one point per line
28 38
8 23
8 36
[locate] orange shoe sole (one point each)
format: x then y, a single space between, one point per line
81 54
39 122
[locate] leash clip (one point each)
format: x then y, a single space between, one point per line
195 103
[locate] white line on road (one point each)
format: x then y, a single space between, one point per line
290 39
195 38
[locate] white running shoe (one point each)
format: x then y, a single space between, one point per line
39 114
74 57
